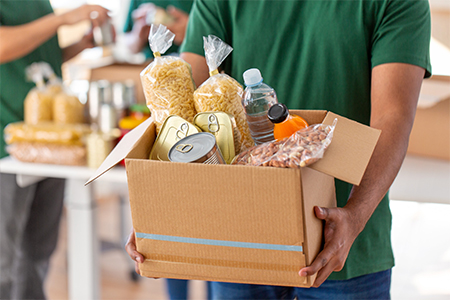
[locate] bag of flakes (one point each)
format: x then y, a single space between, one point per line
38 104
220 92
167 80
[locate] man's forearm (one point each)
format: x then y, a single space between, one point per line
382 169
395 91
17 41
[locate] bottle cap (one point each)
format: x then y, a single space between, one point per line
252 77
278 113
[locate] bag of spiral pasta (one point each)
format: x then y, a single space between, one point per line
220 92
38 102
167 80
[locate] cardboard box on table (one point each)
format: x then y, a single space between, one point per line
235 223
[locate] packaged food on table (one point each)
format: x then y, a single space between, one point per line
98 146
221 92
167 81
223 127
301 149
38 102
38 106
46 132
45 153
67 109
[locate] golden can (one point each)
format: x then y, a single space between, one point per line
197 148
223 126
173 129
98 145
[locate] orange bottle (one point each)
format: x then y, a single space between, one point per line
285 124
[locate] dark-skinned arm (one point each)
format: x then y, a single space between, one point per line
394 96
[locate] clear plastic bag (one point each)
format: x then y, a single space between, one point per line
67 109
49 132
167 80
71 155
38 104
301 149
54 84
221 92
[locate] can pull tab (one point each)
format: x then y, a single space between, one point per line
182 131
184 148
213 123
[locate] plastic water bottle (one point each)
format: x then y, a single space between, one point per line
257 99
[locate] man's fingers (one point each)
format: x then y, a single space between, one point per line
136 268
321 212
323 274
130 247
320 262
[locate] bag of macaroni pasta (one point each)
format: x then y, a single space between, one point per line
221 92
67 108
38 102
167 80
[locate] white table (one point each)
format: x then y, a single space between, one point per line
83 242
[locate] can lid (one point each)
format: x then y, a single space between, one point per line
278 113
192 147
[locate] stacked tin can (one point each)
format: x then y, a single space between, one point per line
106 104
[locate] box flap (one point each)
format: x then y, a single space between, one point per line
129 146
350 150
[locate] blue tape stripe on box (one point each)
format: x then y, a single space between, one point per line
180 239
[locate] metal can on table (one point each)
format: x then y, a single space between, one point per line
197 148
173 129
223 126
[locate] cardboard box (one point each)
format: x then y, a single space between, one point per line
235 223
430 135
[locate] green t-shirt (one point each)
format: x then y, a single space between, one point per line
13 83
319 55
184 5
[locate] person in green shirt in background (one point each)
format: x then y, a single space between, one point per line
29 216
137 29
362 59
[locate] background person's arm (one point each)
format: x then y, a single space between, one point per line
178 26
200 70
394 96
18 41
87 41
